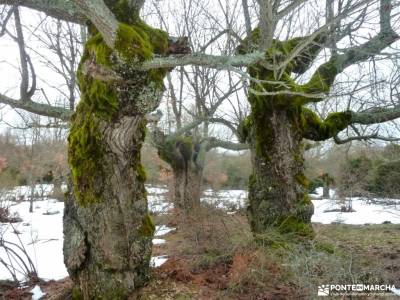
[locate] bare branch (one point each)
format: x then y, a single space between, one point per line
323 78
365 138
102 17
60 9
37 108
211 61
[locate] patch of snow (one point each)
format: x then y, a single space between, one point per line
158 241
319 191
162 230
225 199
37 293
158 204
157 261
42 237
158 190
365 212
396 291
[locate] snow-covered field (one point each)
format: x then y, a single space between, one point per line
41 231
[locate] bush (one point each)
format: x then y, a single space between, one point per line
386 179
355 176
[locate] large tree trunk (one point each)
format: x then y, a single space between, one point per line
107 244
277 188
187 187
107 229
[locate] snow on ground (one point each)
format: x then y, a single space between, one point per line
37 293
41 235
227 199
364 212
41 231
157 261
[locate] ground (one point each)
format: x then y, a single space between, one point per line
197 270
212 254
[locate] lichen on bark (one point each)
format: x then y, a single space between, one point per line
108 231
275 128
101 101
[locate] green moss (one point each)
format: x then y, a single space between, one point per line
123 10
139 41
243 129
295 226
96 48
173 145
141 173
99 103
316 129
323 78
147 228
131 44
76 294
302 180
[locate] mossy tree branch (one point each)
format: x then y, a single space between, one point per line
316 129
215 143
324 76
319 130
376 115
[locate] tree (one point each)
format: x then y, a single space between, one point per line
106 225
185 148
197 100
108 231
280 118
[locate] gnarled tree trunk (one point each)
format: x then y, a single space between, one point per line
107 244
107 229
186 157
187 186
277 187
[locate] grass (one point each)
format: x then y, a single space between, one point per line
214 256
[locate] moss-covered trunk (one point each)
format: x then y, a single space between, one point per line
185 157
187 187
107 229
277 188
107 244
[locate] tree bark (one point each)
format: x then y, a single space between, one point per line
57 190
107 245
277 187
186 157
325 190
107 228
187 187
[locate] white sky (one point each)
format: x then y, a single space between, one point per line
10 78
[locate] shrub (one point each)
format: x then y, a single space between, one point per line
386 179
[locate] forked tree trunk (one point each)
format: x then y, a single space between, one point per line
277 187
187 187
